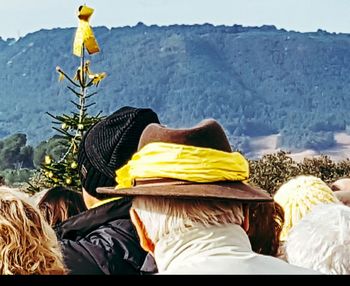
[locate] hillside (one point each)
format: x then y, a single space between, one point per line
262 145
255 81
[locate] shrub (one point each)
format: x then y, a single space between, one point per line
272 170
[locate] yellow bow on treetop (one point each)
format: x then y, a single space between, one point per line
84 34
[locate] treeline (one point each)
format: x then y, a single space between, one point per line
20 163
272 170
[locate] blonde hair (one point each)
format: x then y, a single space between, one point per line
163 215
298 196
28 245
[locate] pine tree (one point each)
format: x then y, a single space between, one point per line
71 127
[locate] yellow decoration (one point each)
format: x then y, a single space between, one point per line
74 165
48 160
87 67
64 126
189 163
78 75
61 76
68 181
97 77
84 34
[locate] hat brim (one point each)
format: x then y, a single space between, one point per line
217 190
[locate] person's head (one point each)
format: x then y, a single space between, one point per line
28 245
185 177
155 217
108 145
59 203
266 221
342 184
343 196
321 240
298 196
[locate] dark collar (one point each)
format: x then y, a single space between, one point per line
149 266
77 226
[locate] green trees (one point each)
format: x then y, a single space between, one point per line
17 162
16 159
301 139
14 154
54 147
272 170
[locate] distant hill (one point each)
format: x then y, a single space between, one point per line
256 81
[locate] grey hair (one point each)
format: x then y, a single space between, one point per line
162 215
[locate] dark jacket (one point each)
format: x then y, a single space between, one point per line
102 240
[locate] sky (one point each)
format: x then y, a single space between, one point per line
20 17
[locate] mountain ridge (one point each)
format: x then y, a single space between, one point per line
255 80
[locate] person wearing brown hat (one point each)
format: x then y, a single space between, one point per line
191 202
102 240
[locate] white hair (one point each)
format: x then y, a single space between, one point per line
321 240
163 215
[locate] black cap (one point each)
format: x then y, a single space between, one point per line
110 144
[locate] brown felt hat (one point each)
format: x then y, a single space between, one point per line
207 134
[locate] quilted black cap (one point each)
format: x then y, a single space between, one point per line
110 144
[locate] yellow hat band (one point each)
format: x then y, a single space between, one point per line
182 162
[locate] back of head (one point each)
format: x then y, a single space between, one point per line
265 225
186 177
321 240
343 196
28 245
59 203
341 185
109 144
164 215
298 196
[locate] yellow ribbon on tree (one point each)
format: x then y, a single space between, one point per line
84 34
182 162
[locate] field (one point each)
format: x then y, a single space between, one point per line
267 144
